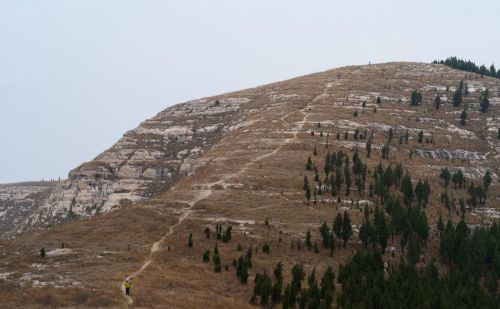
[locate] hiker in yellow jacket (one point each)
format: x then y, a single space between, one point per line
128 285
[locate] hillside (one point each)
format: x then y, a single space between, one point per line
240 160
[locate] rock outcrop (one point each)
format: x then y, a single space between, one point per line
145 161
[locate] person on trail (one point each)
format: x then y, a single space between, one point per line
128 285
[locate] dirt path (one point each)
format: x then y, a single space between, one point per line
207 191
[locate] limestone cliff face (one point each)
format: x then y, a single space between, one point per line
144 162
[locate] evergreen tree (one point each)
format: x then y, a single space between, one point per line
363 233
463 117
457 97
207 232
487 179
407 190
309 164
242 269
227 234
369 147
379 100
437 101
440 224
445 175
337 225
190 240
420 136
346 232
415 98
263 287
348 179
206 256
484 101
308 194
325 233
266 248
217 263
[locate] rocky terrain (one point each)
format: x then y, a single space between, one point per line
238 159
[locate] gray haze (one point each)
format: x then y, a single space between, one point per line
75 75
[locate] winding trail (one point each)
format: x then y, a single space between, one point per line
207 191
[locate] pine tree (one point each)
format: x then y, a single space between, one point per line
407 190
337 225
42 252
266 248
420 136
437 101
226 237
485 102
308 239
416 98
463 117
363 233
457 97
308 194
487 179
369 147
206 256
309 164
346 232
348 179
190 240
207 232
217 263
440 224
445 175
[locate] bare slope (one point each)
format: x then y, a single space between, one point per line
249 170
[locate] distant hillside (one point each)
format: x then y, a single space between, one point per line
370 186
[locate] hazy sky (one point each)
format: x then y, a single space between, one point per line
75 75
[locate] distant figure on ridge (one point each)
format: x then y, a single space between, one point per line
128 285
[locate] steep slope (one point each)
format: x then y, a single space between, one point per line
248 174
